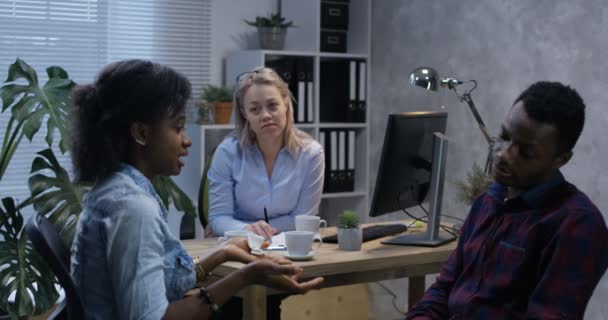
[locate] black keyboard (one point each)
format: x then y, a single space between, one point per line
373 232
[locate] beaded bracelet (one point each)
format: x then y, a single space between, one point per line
204 293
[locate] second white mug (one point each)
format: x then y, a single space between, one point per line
310 223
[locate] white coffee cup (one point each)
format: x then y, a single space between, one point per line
299 243
310 223
233 234
255 243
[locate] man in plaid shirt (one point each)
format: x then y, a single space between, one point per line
533 245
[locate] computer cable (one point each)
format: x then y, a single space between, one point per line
451 230
454 231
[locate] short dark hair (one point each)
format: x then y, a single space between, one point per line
124 92
559 105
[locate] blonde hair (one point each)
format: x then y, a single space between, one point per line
292 136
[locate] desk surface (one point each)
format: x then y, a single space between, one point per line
329 260
374 262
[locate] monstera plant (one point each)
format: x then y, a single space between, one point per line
23 273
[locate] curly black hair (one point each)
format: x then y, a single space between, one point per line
124 92
559 105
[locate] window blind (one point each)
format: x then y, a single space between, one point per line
82 36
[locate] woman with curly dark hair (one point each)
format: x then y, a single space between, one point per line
129 128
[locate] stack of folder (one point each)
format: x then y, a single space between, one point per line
343 90
339 146
298 73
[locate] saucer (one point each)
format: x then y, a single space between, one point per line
309 256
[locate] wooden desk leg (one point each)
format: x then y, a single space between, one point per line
416 290
254 303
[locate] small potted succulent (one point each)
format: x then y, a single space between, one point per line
271 30
349 232
218 99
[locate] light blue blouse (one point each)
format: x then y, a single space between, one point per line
125 262
239 187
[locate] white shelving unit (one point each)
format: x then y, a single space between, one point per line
304 41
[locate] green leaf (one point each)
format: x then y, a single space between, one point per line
348 219
56 72
52 99
55 196
169 193
25 271
33 125
9 93
20 69
273 20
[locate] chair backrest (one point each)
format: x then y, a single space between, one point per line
203 192
48 244
187 227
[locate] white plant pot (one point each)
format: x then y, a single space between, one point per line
272 38
349 239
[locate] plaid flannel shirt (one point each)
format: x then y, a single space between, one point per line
535 256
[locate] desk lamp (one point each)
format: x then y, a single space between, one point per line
429 79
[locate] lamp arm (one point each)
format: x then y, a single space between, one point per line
482 126
466 97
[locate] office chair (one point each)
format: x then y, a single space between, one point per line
186 227
203 192
48 244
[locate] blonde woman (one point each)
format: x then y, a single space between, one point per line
267 165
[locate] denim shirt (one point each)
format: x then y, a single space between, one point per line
125 262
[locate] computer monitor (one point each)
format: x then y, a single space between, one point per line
412 165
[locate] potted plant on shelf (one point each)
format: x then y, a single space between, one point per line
26 104
349 232
218 99
271 30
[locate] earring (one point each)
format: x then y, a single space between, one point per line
140 142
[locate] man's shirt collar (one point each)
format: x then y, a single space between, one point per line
534 197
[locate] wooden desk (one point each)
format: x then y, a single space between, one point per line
374 262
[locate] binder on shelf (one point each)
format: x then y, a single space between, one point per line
350 158
285 66
324 145
361 92
341 183
333 163
334 89
301 90
310 97
352 92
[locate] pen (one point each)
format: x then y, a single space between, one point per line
268 222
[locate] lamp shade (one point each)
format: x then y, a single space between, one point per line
425 77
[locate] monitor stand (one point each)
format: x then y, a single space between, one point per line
432 237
